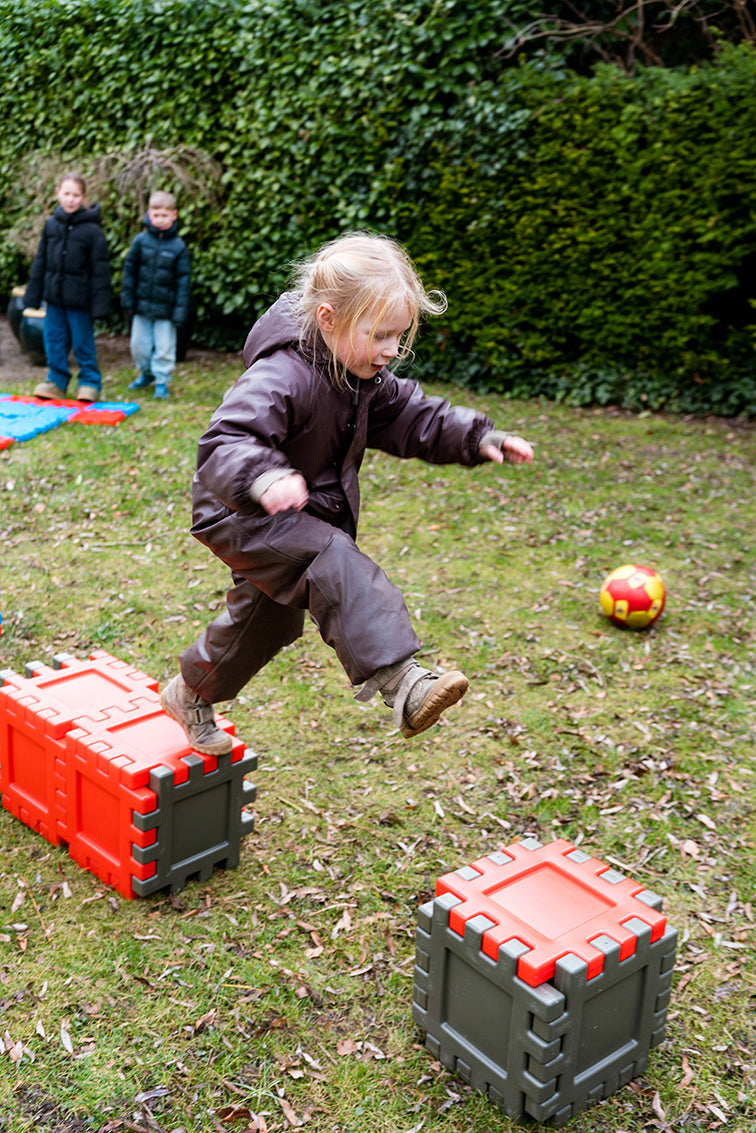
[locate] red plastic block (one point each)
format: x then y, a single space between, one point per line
31 400
99 417
36 713
78 744
32 769
107 780
552 904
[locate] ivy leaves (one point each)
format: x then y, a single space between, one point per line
594 233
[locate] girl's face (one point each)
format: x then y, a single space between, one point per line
369 347
71 196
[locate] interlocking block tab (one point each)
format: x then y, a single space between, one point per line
542 978
197 823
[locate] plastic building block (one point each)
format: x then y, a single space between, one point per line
21 421
198 824
105 412
520 994
24 417
88 757
99 417
126 408
38 710
109 770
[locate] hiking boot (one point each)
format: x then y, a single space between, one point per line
144 381
87 393
49 391
161 392
418 696
196 717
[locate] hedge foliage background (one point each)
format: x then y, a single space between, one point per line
595 230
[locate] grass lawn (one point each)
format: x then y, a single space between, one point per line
279 993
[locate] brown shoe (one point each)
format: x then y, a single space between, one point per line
428 697
87 393
49 391
418 696
196 717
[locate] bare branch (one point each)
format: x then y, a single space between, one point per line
135 173
633 30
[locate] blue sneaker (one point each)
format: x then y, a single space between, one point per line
144 381
161 392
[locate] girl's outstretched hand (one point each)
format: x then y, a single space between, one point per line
499 447
288 492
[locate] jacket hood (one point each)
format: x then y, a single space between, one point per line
81 216
277 328
161 233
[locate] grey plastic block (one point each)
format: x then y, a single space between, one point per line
610 1021
199 823
547 1051
473 1008
653 900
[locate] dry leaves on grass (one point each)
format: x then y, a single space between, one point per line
16 1050
231 1114
292 1118
363 1050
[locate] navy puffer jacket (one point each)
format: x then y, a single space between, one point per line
157 275
72 267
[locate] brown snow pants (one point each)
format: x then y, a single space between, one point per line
284 566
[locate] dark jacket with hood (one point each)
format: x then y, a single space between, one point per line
72 267
284 413
157 275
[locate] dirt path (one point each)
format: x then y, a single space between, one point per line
17 369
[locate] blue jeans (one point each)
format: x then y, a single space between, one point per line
153 347
64 328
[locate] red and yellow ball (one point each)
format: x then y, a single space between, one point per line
632 596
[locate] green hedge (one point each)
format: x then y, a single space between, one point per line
609 241
596 235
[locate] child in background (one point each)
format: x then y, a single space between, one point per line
71 272
155 290
276 493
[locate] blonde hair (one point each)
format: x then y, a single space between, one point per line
361 275
161 200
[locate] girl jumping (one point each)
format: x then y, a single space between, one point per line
276 493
